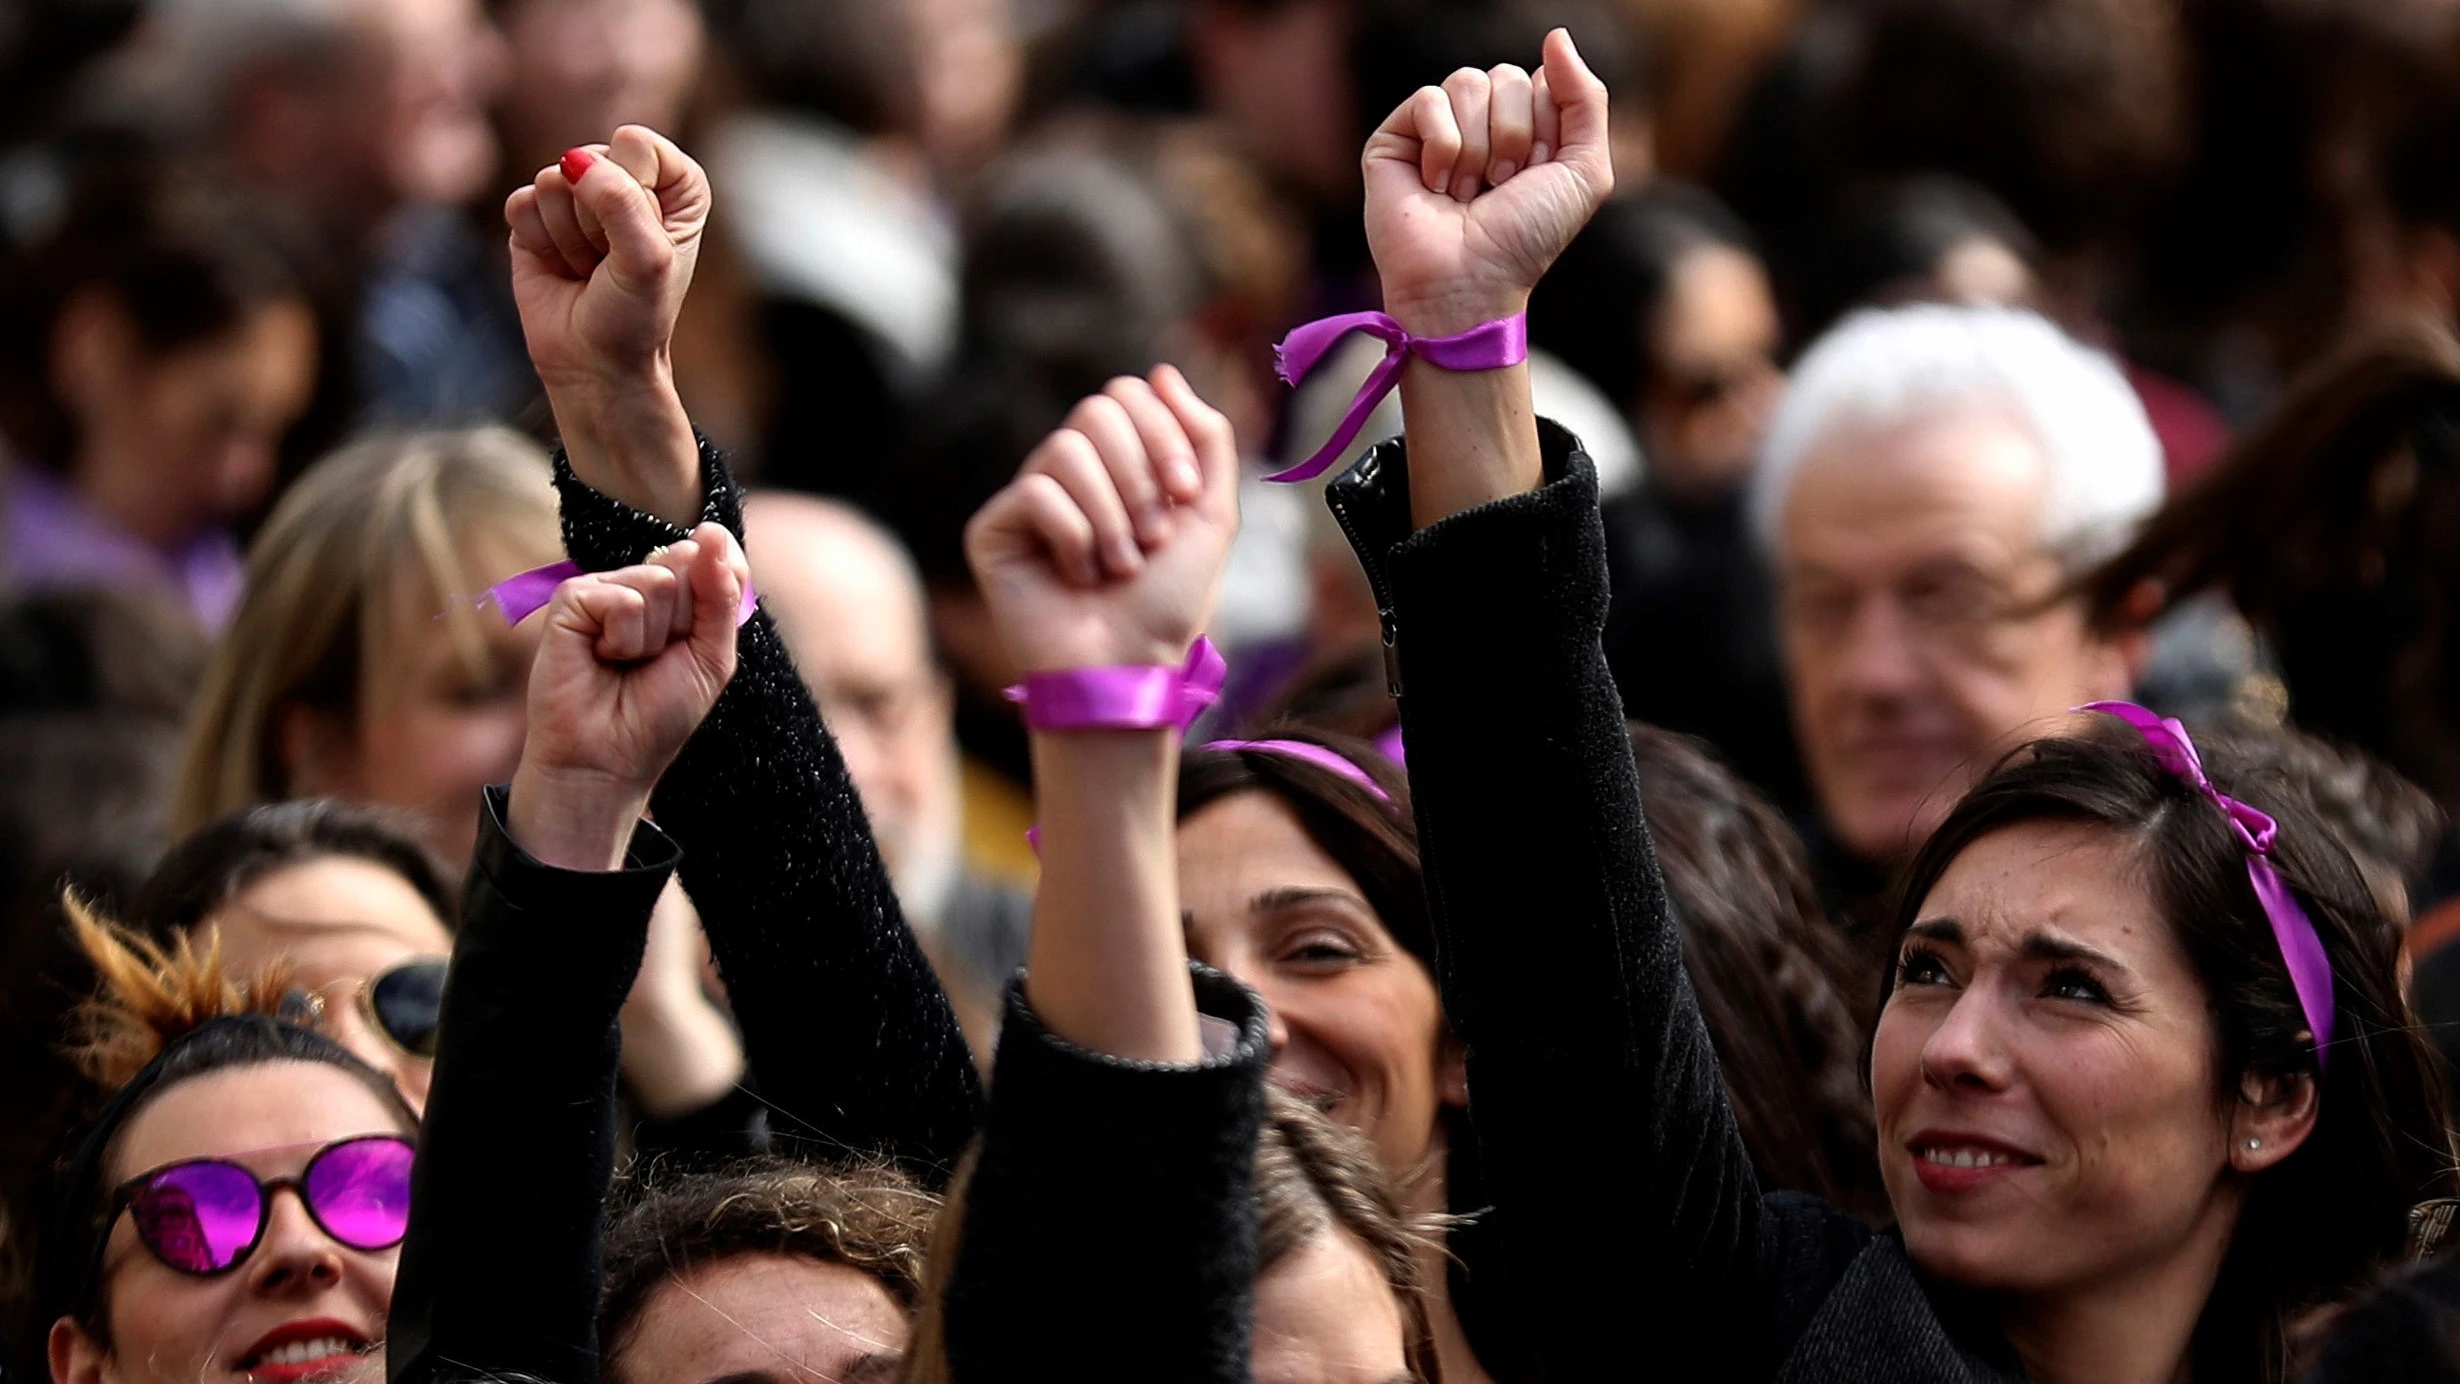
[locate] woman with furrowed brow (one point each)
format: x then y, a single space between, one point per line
2144 1083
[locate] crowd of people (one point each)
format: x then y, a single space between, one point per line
1301 691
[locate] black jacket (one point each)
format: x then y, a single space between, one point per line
850 1039
1609 1149
1116 1195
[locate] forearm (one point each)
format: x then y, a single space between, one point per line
1472 433
573 822
1107 968
850 1038
632 440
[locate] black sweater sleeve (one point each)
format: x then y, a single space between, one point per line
499 1274
851 1041
1560 964
1118 1195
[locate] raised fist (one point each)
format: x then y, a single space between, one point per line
1474 187
628 666
1108 547
603 246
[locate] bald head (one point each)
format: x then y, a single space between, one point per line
850 607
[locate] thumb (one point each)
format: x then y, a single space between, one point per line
719 574
1581 98
639 252
675 181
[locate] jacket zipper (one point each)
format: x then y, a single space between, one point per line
1374 567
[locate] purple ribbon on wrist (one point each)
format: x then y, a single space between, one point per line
2310 970
1487 346
1138 696
524 594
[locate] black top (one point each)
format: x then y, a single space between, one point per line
1610 1150
850 1040
499 1275
1117 1195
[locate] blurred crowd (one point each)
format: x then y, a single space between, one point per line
1944 364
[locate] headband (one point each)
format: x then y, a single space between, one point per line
1314 754
2310 971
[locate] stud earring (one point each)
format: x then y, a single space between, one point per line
2254 1144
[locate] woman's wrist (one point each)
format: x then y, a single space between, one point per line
1447 312
1472 437
573 820
629 438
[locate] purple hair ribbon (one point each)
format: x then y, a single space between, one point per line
1487 346
1314 754
2310 971
524 594
1389 745
1124 697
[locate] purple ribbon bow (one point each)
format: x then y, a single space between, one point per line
524 594
1487 346
1126 697
2310 971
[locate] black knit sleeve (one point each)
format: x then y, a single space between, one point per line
851 1041
1560 964
519 1135
1118 1195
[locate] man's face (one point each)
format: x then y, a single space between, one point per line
433 67
1917 624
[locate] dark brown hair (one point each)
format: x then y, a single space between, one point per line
220 859
868 1217
1770 973
185 262
2315 1225
2335 529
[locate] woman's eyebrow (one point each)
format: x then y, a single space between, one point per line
2041 946
1298 895
1946 930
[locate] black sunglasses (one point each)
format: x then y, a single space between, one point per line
401 1002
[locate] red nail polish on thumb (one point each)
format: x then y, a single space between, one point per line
576 162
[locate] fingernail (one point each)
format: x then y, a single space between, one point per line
1538 153
1150 519
576 163
1125 555
1184 472
1503 170
1465 187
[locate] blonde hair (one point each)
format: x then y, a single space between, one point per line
147 995
364 531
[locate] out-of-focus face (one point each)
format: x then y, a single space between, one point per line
1325 1315
1357 1027
853 619
176 442
582 67
1280 74
432 727
1713 376
340 922
2044 1074
299 1285
771 1318
970 68
435 65
1916 619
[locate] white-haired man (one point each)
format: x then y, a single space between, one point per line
1931 479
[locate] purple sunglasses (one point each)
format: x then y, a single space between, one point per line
206 1215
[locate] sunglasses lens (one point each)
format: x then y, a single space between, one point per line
200 1217
407 1000
360 1192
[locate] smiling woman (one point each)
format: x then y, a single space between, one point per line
234 1212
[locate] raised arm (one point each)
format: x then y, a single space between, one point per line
1560 966
520 1123
851 1040
1120 1147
